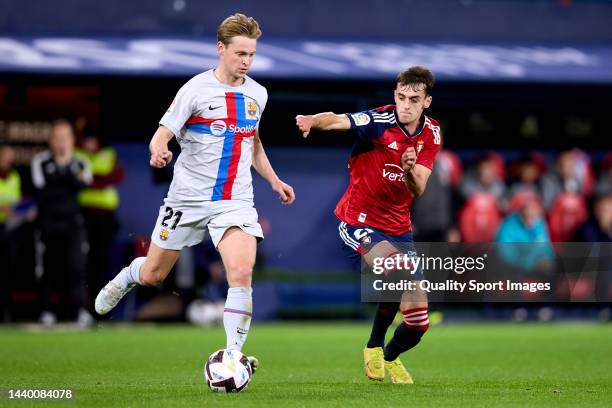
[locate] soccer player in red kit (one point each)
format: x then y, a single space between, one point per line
389 166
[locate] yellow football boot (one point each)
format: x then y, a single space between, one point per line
373 360
398 372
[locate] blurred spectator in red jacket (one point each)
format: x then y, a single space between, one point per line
571 174
485 178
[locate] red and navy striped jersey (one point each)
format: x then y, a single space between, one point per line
377 195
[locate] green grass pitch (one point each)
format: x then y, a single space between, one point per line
316 365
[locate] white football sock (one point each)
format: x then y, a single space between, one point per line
237 316
131 275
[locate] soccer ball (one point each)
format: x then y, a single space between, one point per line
227 371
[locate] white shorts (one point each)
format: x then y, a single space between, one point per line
181 224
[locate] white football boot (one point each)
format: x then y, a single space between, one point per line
254 362
110 295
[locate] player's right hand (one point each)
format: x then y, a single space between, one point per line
304 123
160 158
409 158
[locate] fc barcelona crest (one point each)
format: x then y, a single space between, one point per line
164 234
251 108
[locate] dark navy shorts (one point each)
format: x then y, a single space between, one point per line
357 241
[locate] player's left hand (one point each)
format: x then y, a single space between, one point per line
409 159
304 124
285 192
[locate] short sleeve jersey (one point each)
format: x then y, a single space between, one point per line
377 195
215 125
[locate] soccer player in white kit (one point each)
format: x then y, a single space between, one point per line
215 118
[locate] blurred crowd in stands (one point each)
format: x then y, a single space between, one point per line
530 199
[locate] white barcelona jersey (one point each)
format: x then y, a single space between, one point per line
215 126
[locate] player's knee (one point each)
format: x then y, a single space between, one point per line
152 275
239 275
416 318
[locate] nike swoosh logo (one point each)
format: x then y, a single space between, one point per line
211 108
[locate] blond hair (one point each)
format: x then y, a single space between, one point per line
238 25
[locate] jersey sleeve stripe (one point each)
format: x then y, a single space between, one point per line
434 129
391 121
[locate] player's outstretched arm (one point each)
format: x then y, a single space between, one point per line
160 155
322 121
264 168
